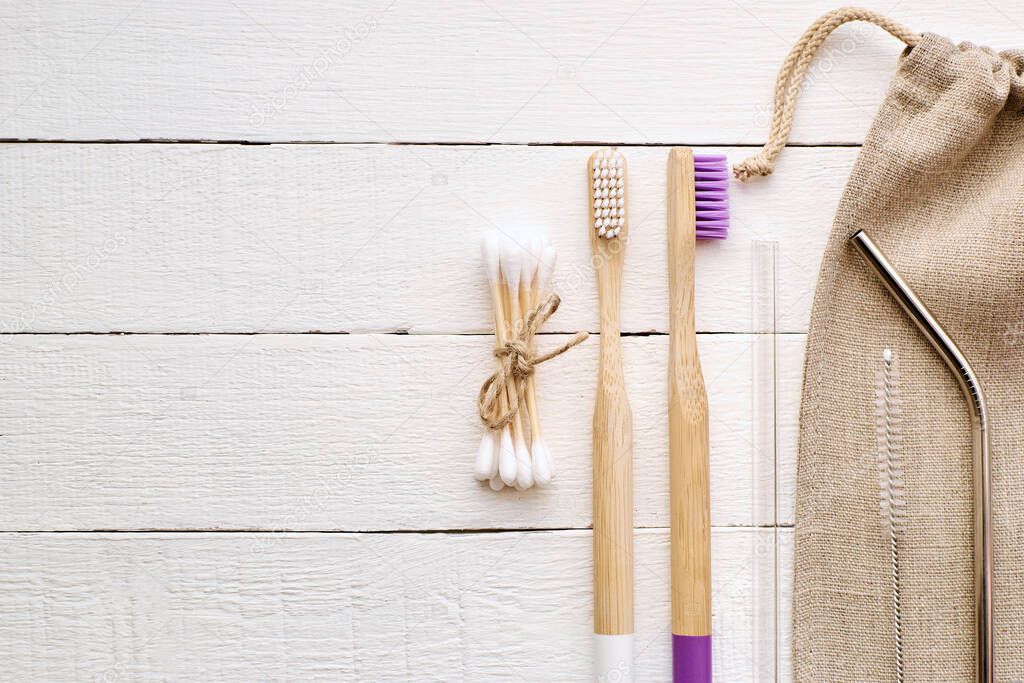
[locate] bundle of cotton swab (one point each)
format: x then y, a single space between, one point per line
519 273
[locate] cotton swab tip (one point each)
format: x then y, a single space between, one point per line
511 262
491 248
547 269
486 465
524 468
507 458
541 463
537 245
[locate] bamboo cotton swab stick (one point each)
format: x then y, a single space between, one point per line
527 302
513 266
506 460
545 255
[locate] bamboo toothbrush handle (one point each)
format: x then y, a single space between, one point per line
613 497
690 494
613 512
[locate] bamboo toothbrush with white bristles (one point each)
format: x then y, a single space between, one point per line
613 428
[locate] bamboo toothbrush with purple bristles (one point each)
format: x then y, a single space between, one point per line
698 208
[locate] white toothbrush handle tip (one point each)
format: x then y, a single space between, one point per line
613 658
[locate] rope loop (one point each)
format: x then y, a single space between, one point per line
794 71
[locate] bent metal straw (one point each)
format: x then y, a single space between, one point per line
968 381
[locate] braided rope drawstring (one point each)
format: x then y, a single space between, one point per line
791 79
517 364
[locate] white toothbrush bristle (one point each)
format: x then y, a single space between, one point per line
888 429
608 174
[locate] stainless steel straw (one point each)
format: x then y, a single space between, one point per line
968 381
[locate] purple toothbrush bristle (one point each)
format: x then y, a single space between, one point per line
711 185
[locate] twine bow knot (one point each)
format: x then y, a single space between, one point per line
518 362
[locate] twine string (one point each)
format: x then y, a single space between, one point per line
791 80
517 362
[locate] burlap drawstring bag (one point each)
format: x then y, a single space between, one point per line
939 185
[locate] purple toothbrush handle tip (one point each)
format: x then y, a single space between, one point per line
691 659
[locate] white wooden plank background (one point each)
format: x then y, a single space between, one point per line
464 70
339 432
264 480
195 238
368 607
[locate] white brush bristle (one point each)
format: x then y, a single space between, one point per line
889 435
608 192
491 248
